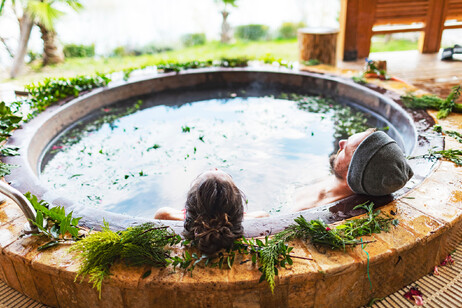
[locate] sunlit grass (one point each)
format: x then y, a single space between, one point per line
393 45
281 49
284 49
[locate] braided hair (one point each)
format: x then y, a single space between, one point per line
214 214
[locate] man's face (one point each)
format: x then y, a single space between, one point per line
341 161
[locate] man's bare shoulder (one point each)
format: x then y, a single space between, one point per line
312 195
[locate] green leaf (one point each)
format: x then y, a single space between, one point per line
259 243
48 245
254 259
220 263
262 278
44 13
146 274
75 221
5 169
54 230
228 260
39 218
9 151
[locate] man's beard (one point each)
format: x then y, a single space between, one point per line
332 160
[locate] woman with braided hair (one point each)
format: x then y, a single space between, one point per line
213 212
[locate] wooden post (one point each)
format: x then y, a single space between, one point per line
318 44
430 39
347 36
364 26
356 22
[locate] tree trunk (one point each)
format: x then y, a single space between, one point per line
225 28
52 50
25 27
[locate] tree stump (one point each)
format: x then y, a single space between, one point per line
318 44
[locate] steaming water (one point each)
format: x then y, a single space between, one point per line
132 161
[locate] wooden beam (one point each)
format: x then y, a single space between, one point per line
430 39
397 29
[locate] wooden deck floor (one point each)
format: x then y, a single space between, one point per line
425 71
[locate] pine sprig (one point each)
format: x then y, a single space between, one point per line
444 106
140 245
345 234
97 252
451 133
452 155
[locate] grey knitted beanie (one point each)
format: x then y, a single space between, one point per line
378 166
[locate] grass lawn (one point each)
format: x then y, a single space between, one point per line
284 49
380 44
281 49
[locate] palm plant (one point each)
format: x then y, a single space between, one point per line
225 27
44 14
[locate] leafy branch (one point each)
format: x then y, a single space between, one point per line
444 106
51 90
9 121
141 245
53 222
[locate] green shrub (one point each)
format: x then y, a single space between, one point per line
193 39
150 49
33 56
251 32
288 30
79 51
121 51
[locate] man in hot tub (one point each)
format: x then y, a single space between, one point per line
369 163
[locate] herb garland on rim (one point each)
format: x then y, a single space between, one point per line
153 245
444 106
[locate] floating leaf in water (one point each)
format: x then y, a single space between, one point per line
154 147
75 175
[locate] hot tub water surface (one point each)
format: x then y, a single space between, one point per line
133 160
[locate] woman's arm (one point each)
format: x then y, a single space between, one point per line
168 213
